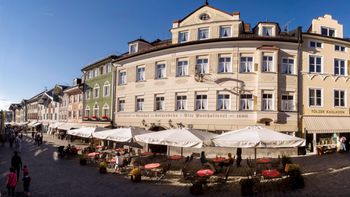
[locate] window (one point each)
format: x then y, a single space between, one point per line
181 102
267 63
267 31
91 74
96 110
246 102
225 31
74 114
314 44
140 73
96 91
326 31
87 94
133 48
160 104
339 48
139 103
87 111
315 97
246 64
106 89
121 104
160 71
225 64
223 102
203 33
96 72
204 17
315 64
105 111
80 113
288 66
267 102
202 66
183 36
339 67
182 68
201 102
287 103
122 77
109 67
339 98
102 70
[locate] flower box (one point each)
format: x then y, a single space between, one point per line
105 118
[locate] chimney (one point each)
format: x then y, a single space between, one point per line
247 27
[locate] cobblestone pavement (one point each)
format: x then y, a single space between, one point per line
326 175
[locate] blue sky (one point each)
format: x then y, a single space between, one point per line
47 42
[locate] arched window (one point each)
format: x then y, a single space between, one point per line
106 89
105 111
96 91
96 110
87 111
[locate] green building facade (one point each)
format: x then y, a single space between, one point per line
98 102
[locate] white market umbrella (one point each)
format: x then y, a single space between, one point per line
85 132
120 134
184 138
257 137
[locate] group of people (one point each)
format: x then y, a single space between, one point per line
13 135
13 176
122 159
38 138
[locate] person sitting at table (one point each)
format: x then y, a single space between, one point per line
227 162
119 161
126 157
205 161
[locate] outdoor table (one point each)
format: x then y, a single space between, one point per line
175 157
147 153
93 154
219 159
271 174
152 166
99 146
263 161
205 173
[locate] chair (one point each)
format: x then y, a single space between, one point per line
164 170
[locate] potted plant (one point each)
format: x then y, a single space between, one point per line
295 178
135 175
103 167
82 160
86 117
94 117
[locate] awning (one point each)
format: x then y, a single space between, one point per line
327 124
37 124
32 124
68 126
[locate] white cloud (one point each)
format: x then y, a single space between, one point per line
4 104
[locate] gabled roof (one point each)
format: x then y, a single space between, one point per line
140 39
110 57
271 23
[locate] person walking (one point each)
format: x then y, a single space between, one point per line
11 182
18 142
16 163
26 183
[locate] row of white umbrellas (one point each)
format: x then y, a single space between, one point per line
249 137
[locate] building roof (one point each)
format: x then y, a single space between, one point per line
89 66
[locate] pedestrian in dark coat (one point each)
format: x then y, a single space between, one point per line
16 163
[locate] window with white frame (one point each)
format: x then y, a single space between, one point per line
267 31
203 33
87 94
133 48
246 64
326 31
182 68
121 104
225 31
223 101
339 67
315 44
96 72
96 110
225 65
109 67
183 36
315 97
102 70
246 101
287 103
202 65
160 103
267 101
122 77
339 48
339 98
139 103
96 91
140 73
105 111
160 71
288 66
106 89
267 63
315 64
201 101
181 102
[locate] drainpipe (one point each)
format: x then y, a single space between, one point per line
115 66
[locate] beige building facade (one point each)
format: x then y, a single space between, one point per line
74 97
215 74
325 89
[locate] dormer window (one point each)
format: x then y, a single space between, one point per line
267 31
183 36
204 17
225 31
326 31
132 48
203 33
